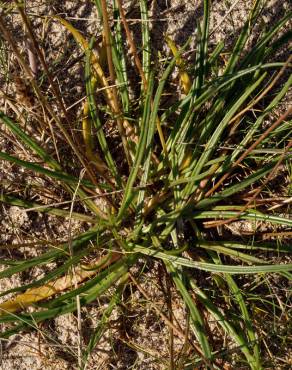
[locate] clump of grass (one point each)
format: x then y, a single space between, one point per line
184 171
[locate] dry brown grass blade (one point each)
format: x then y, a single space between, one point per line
263 93
40 55
132 45
99 73
109 90
252 200
43 122
34 295
279 235
176 329
154 201
237 117
10 39
249 150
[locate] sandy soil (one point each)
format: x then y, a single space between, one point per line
54 344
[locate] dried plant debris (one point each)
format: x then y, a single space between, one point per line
145 184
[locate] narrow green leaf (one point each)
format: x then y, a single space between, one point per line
261 269
198 323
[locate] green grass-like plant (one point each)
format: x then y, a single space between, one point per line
169 188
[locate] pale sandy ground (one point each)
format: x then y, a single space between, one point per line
54 346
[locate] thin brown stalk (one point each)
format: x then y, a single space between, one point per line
285 201
280 234
31 58
39 119
177 330
249 150
74 275
199 192
171 338
271 175
40 55
9 38
132 45
264 93
252 200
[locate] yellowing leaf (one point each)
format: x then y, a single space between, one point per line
184 77
95 59
34 295
100 76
